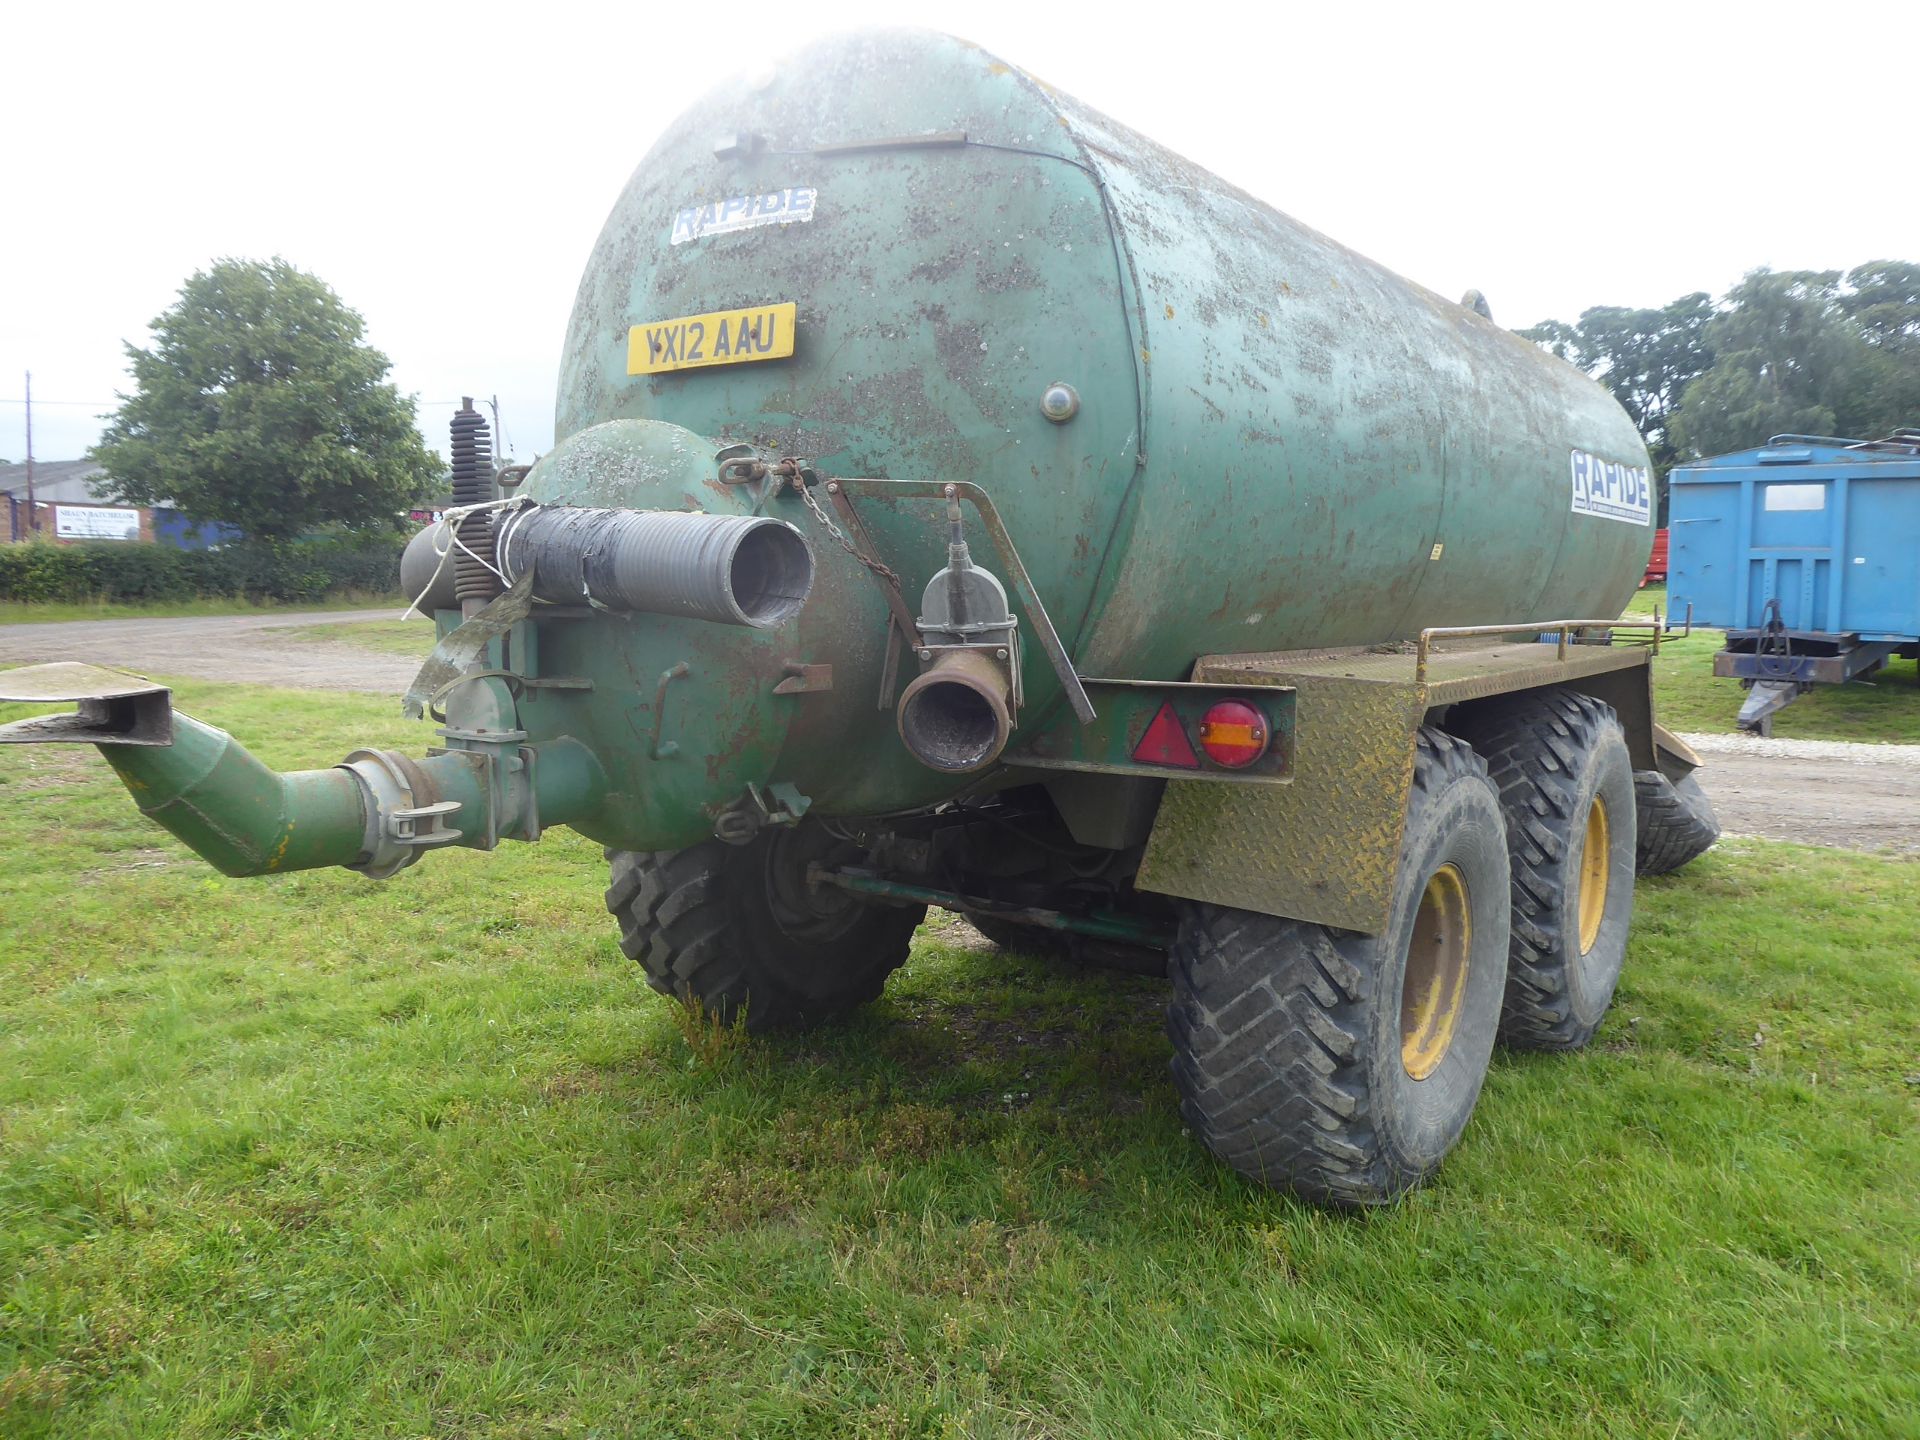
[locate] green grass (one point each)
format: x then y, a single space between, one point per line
1883 709
13 612
393 637
321 1156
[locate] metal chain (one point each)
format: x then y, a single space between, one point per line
826 521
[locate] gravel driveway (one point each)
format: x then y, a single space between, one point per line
1818 792
247 649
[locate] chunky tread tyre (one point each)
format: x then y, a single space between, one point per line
1287 1036
1676 823
701 926
1552 755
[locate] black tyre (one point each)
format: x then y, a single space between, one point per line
1344 1066
1023 939
1560 763
1675 823
737 931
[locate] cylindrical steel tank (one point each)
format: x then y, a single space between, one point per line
1278 444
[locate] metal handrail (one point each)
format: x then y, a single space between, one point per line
1563 631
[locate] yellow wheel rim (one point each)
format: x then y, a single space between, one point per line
1596 869
1436 977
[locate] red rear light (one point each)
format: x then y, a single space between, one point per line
1234 734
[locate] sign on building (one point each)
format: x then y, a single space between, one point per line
95 522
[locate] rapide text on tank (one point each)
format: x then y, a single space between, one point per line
963 501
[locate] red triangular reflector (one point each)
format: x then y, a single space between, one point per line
1166 743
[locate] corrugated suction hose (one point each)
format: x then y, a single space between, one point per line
736 569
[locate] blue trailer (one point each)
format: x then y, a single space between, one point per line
1806 551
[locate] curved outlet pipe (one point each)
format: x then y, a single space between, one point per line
244 818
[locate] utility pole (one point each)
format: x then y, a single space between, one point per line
499 435
33 511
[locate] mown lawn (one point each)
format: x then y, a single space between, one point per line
320 1156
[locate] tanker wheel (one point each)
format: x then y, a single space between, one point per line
1559 761
1676 822
736 930
1344 1066
1037 940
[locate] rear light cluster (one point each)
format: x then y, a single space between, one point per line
1233 734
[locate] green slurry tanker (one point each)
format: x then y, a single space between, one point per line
961 500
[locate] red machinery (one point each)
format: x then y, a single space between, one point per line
1657 561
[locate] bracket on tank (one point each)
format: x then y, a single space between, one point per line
1009 557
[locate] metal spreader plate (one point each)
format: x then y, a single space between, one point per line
115 708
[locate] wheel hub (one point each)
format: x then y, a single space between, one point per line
1596 871
816 913
1436 973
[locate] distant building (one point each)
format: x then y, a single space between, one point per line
74 504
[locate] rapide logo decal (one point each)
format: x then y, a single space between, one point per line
1611 490
792 206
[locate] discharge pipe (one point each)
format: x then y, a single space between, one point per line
957 714
954 716
374 812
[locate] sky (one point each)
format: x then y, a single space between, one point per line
447 168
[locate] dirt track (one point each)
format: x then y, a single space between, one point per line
1858 797
1818 792
247 649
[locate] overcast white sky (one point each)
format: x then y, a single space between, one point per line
447 168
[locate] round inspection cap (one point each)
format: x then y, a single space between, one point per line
1061 402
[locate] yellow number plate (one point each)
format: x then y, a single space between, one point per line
721 337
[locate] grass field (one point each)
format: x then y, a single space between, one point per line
1885 709
15 613
319 1156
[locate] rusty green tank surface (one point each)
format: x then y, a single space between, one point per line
1207 429
960 499
1278 444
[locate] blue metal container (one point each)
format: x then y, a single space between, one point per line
1806 550
1829 528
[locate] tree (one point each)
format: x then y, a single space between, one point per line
1646 357
1883 300
1787 360
259 405
1788 352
